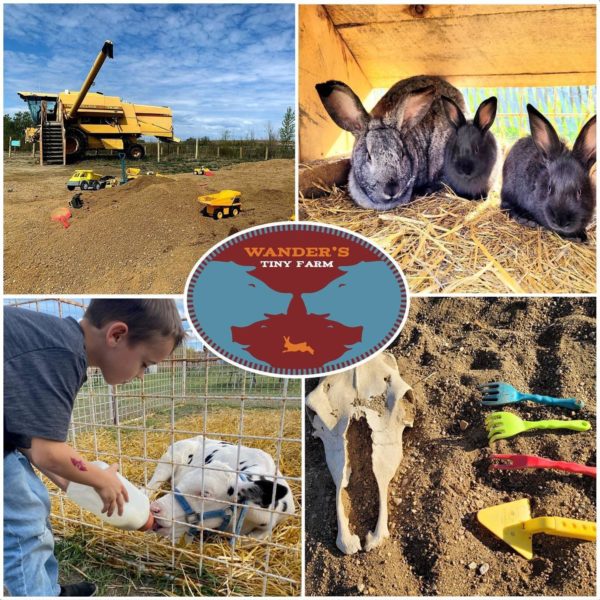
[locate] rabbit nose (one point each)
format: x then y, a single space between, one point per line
391 188
564 219
467 168
155 508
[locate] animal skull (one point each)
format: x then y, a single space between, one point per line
374 391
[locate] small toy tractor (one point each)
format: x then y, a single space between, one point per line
226 203
86 179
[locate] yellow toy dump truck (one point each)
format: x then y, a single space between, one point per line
70 123
226 203
86 179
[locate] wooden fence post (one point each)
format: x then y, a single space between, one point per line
240 152
33 149
178 150
267 152
218 151
9 146
196 155
158 151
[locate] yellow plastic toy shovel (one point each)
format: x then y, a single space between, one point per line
512 523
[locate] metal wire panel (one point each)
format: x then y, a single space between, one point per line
567 108
191 393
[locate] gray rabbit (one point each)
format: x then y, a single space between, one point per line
399 148
545 183
471 151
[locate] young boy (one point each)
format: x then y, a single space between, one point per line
45 364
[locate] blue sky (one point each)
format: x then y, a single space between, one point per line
218 66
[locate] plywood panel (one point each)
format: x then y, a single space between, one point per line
323 55
472 45
370 46
357 15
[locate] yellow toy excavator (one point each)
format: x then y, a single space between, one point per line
70 123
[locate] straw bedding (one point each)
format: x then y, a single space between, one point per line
445 243
180 563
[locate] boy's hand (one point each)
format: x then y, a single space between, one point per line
112 491
62 460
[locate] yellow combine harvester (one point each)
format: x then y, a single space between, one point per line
69 123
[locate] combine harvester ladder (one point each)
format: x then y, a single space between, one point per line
52 141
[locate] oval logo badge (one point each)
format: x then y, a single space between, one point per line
296 299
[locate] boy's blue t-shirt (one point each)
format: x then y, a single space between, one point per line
45 365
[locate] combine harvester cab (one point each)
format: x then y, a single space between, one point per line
70 123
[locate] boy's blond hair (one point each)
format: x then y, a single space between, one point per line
146 318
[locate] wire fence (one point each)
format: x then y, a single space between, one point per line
241 150
191 393
190 150
567 108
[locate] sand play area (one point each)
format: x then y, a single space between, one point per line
143 237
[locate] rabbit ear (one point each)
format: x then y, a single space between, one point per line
543 133
486 113
343 106
453 112
584 149
414 107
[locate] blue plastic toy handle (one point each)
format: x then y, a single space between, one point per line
550 401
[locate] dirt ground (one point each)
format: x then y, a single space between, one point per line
437 546
143 237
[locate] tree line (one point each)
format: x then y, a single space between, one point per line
15 125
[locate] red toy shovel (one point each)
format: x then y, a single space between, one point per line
61 215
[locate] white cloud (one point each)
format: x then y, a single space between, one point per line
231 63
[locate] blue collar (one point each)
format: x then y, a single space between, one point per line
225 514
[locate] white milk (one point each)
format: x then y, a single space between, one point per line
136 512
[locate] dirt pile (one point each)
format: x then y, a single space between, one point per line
437 547
143 237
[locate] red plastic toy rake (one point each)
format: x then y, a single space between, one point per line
526 461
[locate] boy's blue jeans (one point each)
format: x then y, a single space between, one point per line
30 568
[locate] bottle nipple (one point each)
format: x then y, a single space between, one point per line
149 523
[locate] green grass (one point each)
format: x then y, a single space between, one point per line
77 563
224 391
